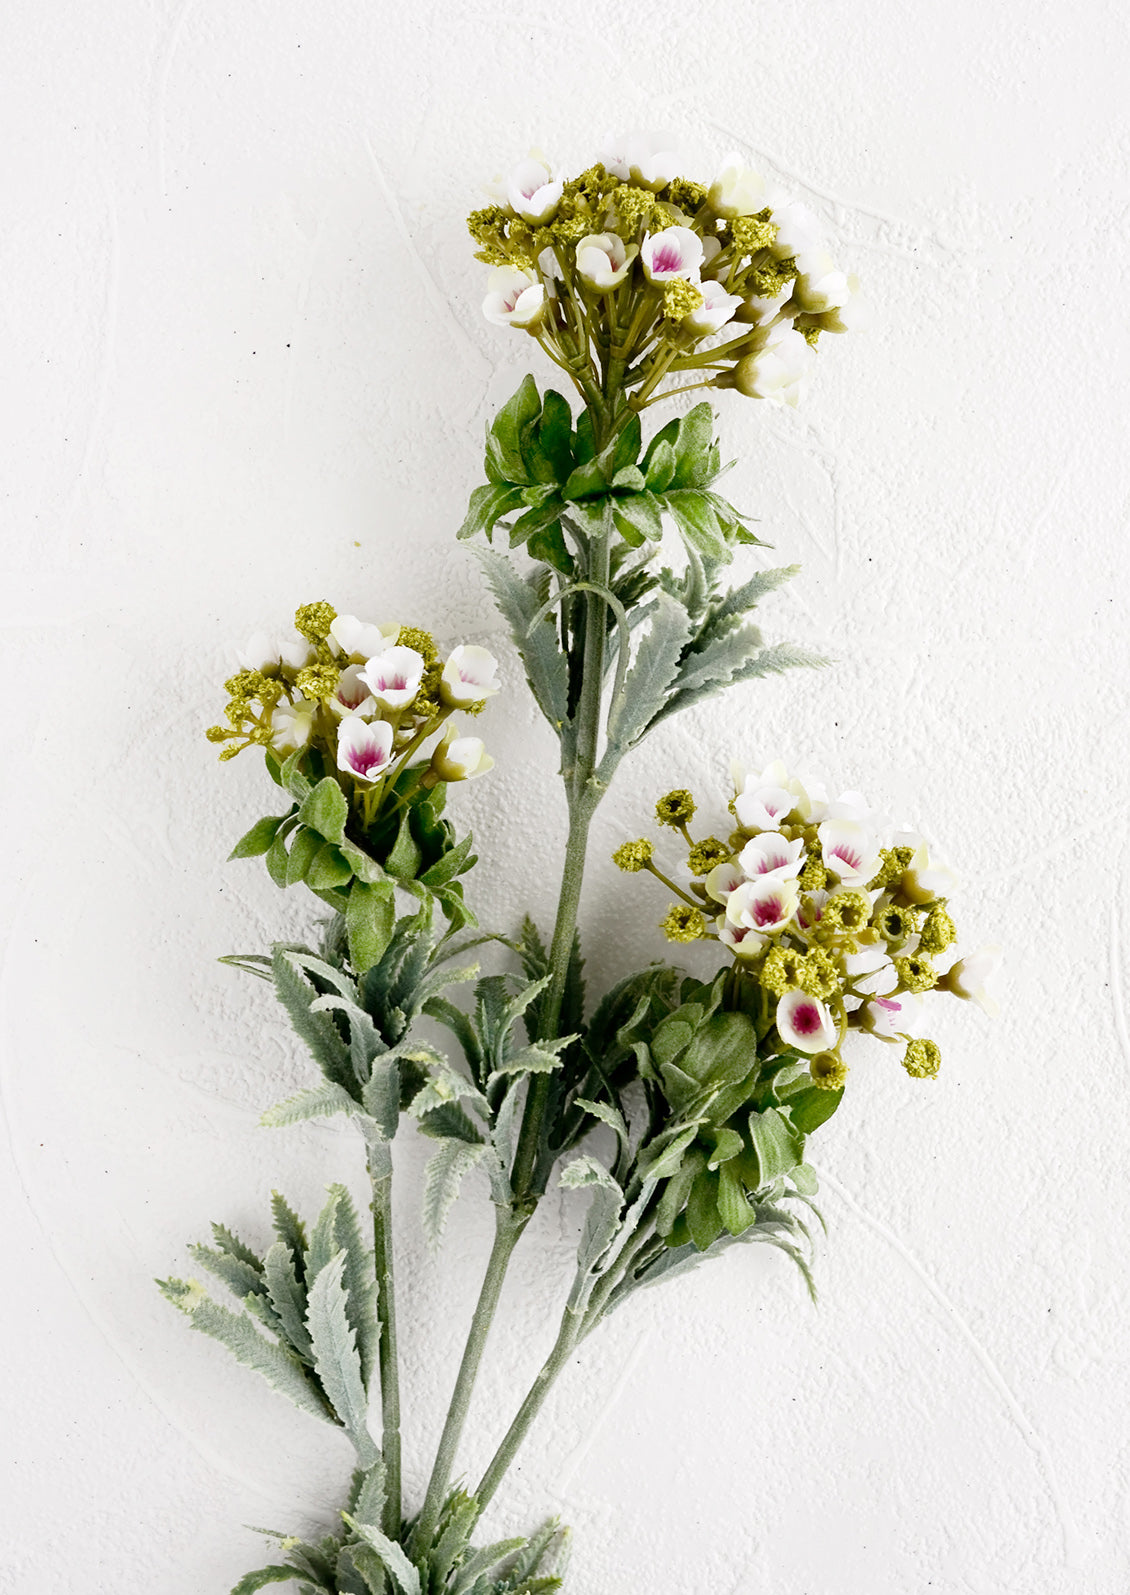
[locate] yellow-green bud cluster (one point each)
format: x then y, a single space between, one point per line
633 856
675 808
705 856
922 1059
683 923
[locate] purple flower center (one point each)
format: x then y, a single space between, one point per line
366 760
846 854
806 1019
767 912
667 257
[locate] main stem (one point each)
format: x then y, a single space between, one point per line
508 1229
584 795
380 1174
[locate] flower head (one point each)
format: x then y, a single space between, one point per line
393 677
604 260
805 1023
469 676
766 905
737 190
352 696
359 640
291 724
717 308
364 747
777 369
673 252
457 758
515 299
532 191
649 159
771 854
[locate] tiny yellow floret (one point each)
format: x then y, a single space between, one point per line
676 808
633 856
313 621
923 1059
683 923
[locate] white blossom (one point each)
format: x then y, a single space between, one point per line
777 369
723 879
469 676
516 298
460 758
805 1023
670 253
360 640
820 286
849 850
291 724
738 190
648 159
771 855
798 230
364 747
603 260
532 192
394 677
272 648
764 905
891 1017
352 696
969 977
740 939
717 308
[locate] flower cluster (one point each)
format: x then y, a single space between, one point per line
361 698
632 271
840 921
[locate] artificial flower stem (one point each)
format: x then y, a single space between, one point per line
508 1228
379 1159
584 794
670 884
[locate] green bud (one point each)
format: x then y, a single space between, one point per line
923 1059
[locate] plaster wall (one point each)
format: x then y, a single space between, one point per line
246 367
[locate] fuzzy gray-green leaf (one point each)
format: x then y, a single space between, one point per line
319 1102
336 1358
288 1297
280 1367
391 1554
442 1179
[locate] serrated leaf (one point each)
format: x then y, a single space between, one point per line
371 1497
250 1582
719 660
392 1555
241 1278
442 1178
336 1358
487 507
278 1365
317 1030
540 651
319 1102
231 1243
607 1114
773 660
449 1120
290 1230
650 679
288 1298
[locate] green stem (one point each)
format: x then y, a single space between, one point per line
508 1230
379 1157
574 1328
584 794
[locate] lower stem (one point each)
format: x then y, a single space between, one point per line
563 1348
508 1230
380 1173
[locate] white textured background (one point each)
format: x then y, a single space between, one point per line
245 366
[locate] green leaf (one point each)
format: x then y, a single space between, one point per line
231 1243
315 1102
548 545
587 481
455 861
625 448
703 1218
734 1207
504 437
778 1144
317 1030
720 660
695 517
336 1358
442 1179
812 1107
696 459
250 1582
607 1115
372 1495
391 1554
649 680
449 1120
406 855
259 838
487 507
326 810
241 1278
603 1217
629 480
279 1366
540 651
290 1230
555 433
369 920
303 850
276 858
740 600
288 1298
660 464
641 513
770 661
329 869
